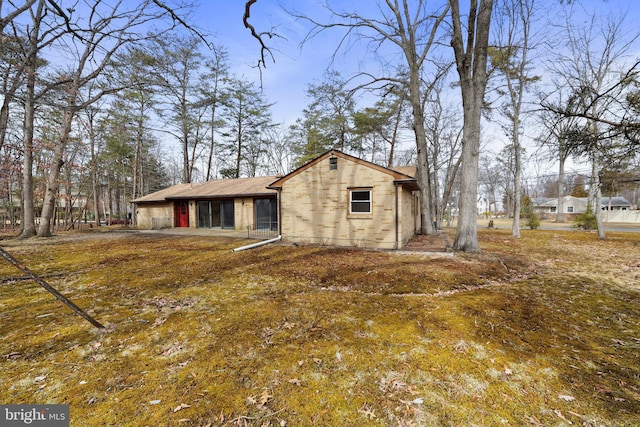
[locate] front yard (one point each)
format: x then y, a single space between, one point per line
541 331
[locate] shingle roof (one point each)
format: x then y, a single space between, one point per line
217 188
615 201
407 170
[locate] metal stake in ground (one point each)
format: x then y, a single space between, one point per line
6 255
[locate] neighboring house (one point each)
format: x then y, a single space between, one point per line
615 204
341 200
335 199
225 203
548 207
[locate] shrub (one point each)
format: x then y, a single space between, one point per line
533 220
527 211
587 220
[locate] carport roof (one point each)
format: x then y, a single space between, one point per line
217 188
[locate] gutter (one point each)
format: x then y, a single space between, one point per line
255 245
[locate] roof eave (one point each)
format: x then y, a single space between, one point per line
410 184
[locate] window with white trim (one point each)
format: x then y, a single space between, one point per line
569 209
360 201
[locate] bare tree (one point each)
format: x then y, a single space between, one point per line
471 63
106 30
13 13
413 30
591 70
212 96
444 143
176 63
510 60
30 64
556 129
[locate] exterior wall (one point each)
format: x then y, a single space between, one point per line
244 214
409 215
315 207
154 215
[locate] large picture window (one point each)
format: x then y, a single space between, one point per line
360 201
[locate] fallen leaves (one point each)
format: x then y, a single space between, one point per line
172 349
181 407
368 412
316 356
261 401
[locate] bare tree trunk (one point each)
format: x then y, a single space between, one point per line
515 226
94 169
28 228
595 194
212 142
394 136
4 117
561 191
472 69
239 154
422 172
53 180
467 229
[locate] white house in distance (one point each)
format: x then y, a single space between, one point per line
617 209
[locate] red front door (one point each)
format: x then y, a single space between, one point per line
181 214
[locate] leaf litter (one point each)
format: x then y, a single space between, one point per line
329 336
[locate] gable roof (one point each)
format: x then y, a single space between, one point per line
395 174
407 170
217 188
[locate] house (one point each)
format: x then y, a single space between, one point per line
341 200
573 206
548 207
225 203
335 199
615 204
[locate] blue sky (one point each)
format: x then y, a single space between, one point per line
285 81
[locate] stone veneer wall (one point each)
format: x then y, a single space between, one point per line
315 207
146 212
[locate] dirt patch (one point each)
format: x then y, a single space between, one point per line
440 242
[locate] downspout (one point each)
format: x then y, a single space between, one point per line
255 245
279 190
395 246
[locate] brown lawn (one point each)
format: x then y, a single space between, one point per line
540 331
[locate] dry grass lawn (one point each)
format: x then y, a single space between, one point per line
540 331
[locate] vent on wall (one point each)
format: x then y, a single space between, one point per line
333 163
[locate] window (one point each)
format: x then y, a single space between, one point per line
333 163
216 213
569 209
359 201
553 209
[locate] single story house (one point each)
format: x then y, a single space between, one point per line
572 206
341 200
335 199
224 203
